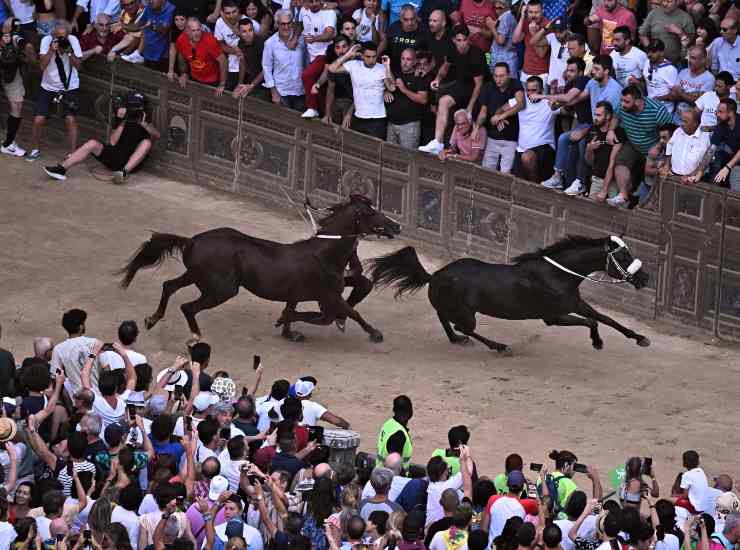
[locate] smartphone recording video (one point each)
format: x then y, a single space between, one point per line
535 467
257 361
316 433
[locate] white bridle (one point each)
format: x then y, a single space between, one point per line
626 274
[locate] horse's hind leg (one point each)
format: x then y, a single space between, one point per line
454 338
582 308
168 289
575 321
361 287
292 335
466 325
208 299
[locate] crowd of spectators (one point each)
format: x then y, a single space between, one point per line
576 95
98 450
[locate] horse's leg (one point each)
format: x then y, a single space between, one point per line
361 287
582 308
292 335
348 311
168 289
454 338
575 321
208 299
331 309
466 324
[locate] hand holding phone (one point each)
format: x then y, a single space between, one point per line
256 362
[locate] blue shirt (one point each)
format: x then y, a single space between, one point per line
612 93
168 448
726 56
157 44
3 13
395 8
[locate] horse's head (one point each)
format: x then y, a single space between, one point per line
620 263
358 216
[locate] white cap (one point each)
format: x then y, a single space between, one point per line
304 388
204 400
178 378
219 484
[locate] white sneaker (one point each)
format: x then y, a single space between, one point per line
434 147
13 149
310 113
133 57
618 201
575 188
555 182
33 156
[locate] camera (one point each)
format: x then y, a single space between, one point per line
63 44
135 104
316 433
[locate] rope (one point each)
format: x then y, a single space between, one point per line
584 277
110 94
238 154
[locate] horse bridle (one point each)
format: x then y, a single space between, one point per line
627 274
316 228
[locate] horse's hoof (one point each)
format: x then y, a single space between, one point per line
341 324
376 336
462 341
643 342
505 350
597 344
294 336
149 322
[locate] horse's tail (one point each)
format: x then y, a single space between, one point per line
401 269
152 253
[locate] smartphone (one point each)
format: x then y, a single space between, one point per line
531 490
253 479
452 452
131 408
189 424
178 392
535 467
580 468
225 433
87 534
256 362
316 433
647 465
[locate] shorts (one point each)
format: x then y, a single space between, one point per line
111 158
45 102
545 160
630 157
458 91
14 90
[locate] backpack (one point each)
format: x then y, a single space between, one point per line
552 483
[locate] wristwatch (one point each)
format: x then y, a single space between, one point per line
91 356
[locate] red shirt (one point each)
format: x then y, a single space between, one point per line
534 65
529 504
90 40
474 16
202 58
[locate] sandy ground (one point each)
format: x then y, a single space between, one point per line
61 243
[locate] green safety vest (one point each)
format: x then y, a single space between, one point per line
452 461
390 427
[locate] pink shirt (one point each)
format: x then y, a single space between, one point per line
466 144
197 526
610 20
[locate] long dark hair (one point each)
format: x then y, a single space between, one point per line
507 539
323 500
261 9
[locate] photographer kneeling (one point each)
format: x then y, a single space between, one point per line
130 142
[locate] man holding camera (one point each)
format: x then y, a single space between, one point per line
12 46
130 142
60 56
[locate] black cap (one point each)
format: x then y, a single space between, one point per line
656 45
559 24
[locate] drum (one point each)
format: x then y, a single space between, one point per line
343 445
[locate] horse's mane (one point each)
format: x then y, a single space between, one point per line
333 209
566 243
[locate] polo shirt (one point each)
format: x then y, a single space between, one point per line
686 152
202 58
156 44
642 128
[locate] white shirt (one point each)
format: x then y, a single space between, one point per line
42 527
686 153
51 80
71 354
179 430
694 480
397 485
223 33
630 64
231 470
262 410
708 103
438 542
96 7
148 506
312 412
130 520
434 492
23 11
557 64
504 508
251 535
7 535
660 80
109 415
283 67
669 542
315 24
115 361
367 88
364 30
536 125
587 530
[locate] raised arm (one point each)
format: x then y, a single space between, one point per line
13 468
260 369
38 445
130 373
573 534
338 65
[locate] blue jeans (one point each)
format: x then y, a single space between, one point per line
568 154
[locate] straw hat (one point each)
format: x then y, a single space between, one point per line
8 429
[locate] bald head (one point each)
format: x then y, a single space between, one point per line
394 462
723 482
322 470
42 347
58 526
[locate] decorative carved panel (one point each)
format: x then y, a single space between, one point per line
429 208
178 132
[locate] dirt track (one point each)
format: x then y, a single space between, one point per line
61 243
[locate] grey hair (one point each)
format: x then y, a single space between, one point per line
194 20
408 7
62 24
465 112
732 521
381 479
394 463
42 345
284 13
94 424
103 18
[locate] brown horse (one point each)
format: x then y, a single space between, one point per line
221 260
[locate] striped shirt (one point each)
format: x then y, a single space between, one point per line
66 480
642 128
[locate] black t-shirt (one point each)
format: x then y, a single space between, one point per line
7 369
493 98
399 40
402 110
582 108
252 58
342 85
465 66
441 48
133 134
602 153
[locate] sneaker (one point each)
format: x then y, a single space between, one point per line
134 57
310 113
57 172
575 188
119 178
33 155
13 149
618 201
555 182
434 147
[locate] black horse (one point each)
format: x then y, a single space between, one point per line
220 261
539 285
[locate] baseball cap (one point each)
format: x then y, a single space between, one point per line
218 485
204 400
304 388
234 528
515 479
559 24
656 45
178 378
726 504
